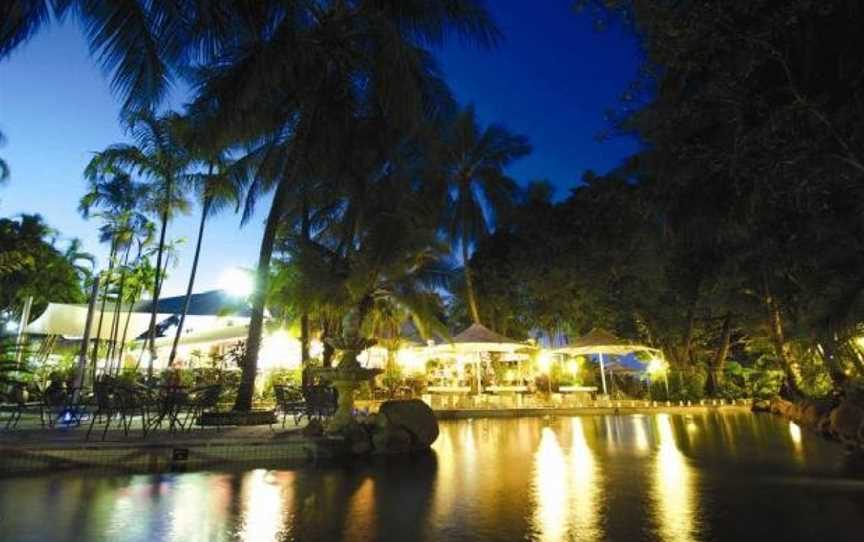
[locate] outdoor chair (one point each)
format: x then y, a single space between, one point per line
170 402
321 401
120 404
201 400
290 401
15 404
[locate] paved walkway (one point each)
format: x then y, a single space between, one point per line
30 434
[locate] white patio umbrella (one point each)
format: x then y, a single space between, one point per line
599 341
478 339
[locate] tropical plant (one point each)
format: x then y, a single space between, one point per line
138 42
4 167
159 156
269 89
474 162
220 186
34 267
114 197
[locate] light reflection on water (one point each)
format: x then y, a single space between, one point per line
674 487
733 476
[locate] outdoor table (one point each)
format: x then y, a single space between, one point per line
170 401
448 389
573 389
507 389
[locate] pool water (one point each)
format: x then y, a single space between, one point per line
730 476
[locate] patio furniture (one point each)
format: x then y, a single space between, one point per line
170 400
290 401
199 401
115 402
448 389
321 401
15 404
62 405
507 389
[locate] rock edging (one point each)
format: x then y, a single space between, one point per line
842 422
399 427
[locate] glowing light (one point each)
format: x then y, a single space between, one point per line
544 361
673 486
584 487
237 282
657 366
795 435
262 499
411 360
566 489
640 435
550 488
572 366
279 350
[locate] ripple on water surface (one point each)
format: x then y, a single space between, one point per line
730 476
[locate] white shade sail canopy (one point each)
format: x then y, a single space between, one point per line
599 341
69 321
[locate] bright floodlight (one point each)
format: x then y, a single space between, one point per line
237 282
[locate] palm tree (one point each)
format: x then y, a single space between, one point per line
138 42
116 195
75 255
475 160
270 88
4 167
159 157
219 187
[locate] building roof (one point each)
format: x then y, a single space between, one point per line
212 303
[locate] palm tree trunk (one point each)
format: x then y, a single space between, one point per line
469 282
111 255
304 316
204 210
256 322
157 286
135 298
115 324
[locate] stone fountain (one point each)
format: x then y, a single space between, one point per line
349 374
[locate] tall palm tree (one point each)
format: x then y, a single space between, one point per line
159 157
113 196
139 42
220 186
270 88
4 167
479 189
82 262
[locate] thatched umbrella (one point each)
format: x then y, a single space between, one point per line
478 339
599 341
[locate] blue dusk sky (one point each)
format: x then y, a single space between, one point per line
551 79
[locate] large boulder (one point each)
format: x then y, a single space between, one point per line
813 411
392 440
846 419
396 419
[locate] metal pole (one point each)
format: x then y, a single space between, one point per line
82 354
22 325
602 373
